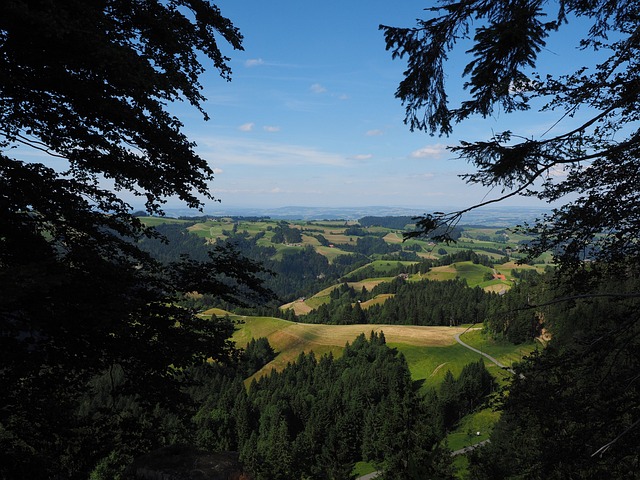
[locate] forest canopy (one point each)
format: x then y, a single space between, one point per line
86 87
589 166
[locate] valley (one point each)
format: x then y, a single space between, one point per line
358 263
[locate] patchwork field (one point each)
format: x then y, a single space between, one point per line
473 274
487 241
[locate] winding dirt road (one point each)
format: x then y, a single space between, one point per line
486 355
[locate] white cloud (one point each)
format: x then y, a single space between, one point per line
317 88
374 133
430 151
253 62
343 96
217 171
246 127
365 156
270 128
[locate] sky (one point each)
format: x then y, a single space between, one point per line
310 117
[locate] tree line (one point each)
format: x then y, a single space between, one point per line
444 303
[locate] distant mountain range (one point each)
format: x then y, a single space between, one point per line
489 216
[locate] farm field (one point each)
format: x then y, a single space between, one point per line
429 351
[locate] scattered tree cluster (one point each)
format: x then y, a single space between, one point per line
284 233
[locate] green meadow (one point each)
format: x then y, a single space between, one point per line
429 351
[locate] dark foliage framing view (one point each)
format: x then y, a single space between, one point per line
124 333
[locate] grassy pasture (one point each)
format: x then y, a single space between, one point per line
474 274
315 301
290 338
331 252
377 300
506 268
300 307
495 286
447 272
382 266
466 432
429 351
333 231
429 363
368 283
309 240
503 351
205 230
218 312
337 237
326 291
393 237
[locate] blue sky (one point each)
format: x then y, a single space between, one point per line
310 117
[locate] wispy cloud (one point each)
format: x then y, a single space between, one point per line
253 62
255 190
365 156
217 171
374 133
246 127
430 151
243 151
317 88
271 128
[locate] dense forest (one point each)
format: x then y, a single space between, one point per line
319 416
315 419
